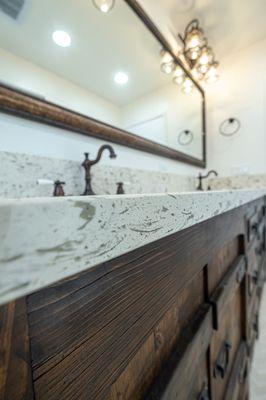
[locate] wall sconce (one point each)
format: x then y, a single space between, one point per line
104 5
198 56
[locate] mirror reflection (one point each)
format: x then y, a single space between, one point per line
99 59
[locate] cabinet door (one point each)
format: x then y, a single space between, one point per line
185 375
229 310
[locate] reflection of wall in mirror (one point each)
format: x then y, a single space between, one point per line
153 129
23 74
181 112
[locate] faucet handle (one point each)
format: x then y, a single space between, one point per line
58 188
120 188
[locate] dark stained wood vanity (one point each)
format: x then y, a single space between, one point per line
175 319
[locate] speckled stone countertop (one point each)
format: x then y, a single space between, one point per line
43 240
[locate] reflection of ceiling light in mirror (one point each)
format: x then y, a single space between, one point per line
104 5
121 78
62 38
178 76
187 86
212 75
167 65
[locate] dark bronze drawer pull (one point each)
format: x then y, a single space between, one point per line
222 360
255 227
256 325
204 395
255 277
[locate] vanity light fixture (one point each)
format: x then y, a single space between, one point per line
62 38
197 55
104 5
121 78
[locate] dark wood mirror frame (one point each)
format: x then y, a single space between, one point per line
21 104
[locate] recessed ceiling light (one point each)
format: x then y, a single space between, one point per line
121 78
62 38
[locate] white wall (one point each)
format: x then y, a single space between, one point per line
241 93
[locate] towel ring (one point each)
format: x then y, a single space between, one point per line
185 137
230 126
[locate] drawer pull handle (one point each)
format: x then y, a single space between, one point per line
256 325
255 277
222 360
255 227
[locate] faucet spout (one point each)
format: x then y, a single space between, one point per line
87 164
201 177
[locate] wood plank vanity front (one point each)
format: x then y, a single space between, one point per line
174 319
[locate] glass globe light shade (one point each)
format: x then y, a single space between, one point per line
194 38
178 80
104 5
212 74
203 69
167 65
167 68
206 56
193 54
187 86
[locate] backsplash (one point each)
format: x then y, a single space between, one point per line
20 172
237 182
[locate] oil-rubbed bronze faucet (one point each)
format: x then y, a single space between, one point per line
201 177
87 164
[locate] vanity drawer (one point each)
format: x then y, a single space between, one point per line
185 375
238 374
253 324
255 221
229 310
255 274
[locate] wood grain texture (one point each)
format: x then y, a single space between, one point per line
15 362
103 320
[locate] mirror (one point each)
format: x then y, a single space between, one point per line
103 66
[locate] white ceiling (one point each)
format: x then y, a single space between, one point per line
230 25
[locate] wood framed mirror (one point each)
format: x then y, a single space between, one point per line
108 84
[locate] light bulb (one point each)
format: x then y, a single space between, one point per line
167 65
212 75
178 71
178 80
194 38
167 68
62 38
187 86
178 76
121 78
206 56
203 69
104 5
193 54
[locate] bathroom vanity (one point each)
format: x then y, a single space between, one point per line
131 297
